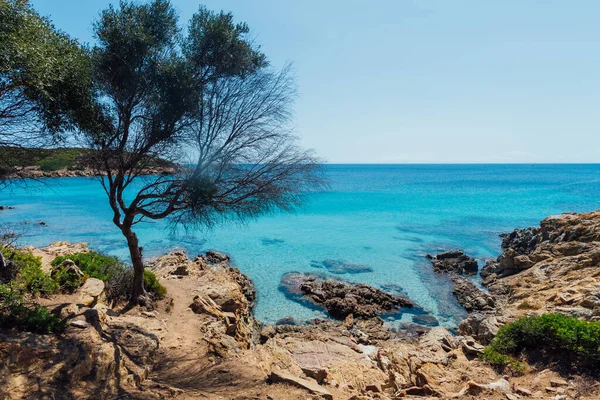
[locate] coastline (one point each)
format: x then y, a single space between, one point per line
37 173
208 316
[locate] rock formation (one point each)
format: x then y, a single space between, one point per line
454 261
340 298
202 341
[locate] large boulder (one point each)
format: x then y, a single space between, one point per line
92 291
453 261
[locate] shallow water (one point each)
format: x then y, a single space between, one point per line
385 217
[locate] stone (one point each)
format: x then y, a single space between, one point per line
522 391
453 261
425 319
471 347
182 270
470 296
79 324
91 291
311 387
318 374
286 321
558 383
267 332
481 326
523 241
213 257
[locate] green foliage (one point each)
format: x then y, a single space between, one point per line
500 361
110 269
61 159
555 335
94 264
16 312
45 74
67 280
30 278
153 286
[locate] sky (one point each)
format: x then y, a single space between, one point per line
422 81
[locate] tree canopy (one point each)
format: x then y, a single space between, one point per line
204 98
45 79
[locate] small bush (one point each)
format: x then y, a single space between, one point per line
554 335
120 286
153 286
30 276
16 312
67 279
94 264
500 361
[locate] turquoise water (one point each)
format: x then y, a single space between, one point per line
385 217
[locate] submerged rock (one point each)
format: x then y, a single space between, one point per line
340 298
268 242
453 261
341 267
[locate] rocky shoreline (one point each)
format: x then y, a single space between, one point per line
203 341
34 172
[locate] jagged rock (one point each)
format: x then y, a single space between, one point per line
522 391
481 326
470 346
312 388
318 374
453 261
470 296
214 257
523 241
341 299
182 270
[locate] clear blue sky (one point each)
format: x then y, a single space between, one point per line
393 81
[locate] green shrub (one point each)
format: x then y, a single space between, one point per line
119 280
16 312
153 286
556 335
30 276
39 320
500 361
60 159
94 264
67 279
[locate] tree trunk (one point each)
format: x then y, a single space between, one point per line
139 292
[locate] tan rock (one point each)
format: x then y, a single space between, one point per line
311 387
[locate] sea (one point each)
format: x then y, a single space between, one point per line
373 224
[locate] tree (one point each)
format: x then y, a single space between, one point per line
209 103
45 81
